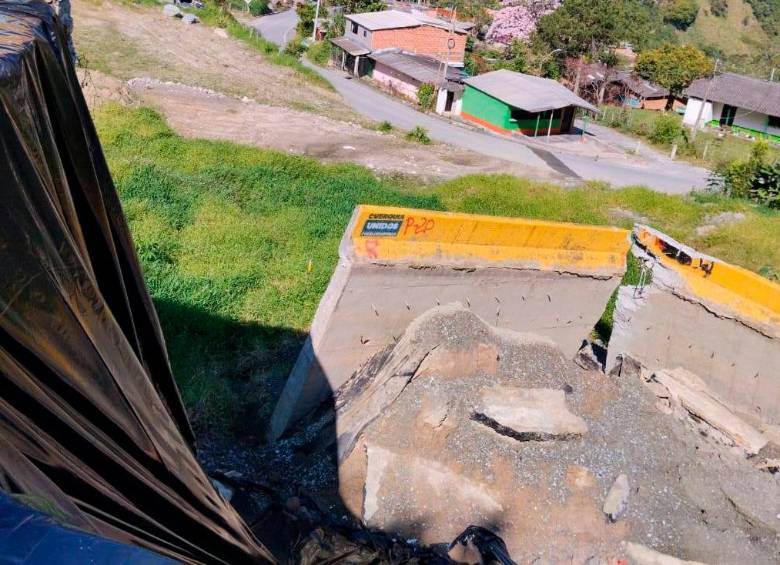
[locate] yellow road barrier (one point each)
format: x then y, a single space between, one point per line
401 234
746 293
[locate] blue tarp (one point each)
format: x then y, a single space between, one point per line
30 537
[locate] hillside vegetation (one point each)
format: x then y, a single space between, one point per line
734 34
238 244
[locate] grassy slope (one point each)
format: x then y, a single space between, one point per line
738 37
226 234
639 124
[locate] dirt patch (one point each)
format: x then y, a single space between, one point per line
201 113
128 41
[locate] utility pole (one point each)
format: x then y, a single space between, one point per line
704 101
316 21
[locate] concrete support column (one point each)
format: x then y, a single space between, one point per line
357 64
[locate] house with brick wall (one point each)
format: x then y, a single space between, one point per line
397 48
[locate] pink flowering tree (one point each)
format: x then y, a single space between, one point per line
518 18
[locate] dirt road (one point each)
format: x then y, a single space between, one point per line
128 41
214 87
200 113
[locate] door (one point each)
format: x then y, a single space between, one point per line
568 119
727 115
449 101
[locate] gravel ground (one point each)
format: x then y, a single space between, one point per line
689 496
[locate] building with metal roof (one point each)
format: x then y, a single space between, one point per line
744 104
508 102
418 33
402 74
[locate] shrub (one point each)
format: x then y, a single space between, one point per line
754 178
258 7
719 8
426 96
385 127
319 52
666 130
295 47
680 13
418 134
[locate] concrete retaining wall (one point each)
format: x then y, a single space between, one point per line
550 279
711 318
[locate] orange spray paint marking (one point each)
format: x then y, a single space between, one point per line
372 246
419 226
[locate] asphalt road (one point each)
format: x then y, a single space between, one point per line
654 171
277 28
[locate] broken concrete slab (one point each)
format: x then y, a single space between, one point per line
528 414
172 11
639 554
699 313
617 498
396 263
404 489
692 393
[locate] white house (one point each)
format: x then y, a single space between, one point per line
744 104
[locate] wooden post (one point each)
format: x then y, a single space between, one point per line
343 59
549 126
674 151
706 148
536 131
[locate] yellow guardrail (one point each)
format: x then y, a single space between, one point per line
746 293
403 234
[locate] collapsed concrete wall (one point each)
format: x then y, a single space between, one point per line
716 320
550 278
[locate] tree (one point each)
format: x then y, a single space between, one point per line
362 6
680 13
582 27
517 20
590 26
305 25
674 67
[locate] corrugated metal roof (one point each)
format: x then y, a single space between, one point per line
640 86
350 46
418 67
527 92
394 19
388 19
740 91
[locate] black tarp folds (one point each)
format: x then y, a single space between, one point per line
91 421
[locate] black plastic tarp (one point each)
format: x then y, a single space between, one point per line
91 422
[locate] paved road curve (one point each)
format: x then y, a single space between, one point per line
277 28
659 174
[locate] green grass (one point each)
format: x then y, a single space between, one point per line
238 244
638 123
216 16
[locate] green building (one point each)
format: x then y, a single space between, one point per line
508 102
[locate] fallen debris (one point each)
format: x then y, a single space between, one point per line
617 498
476 546
172 11
687 391
528 414
639 554
190 19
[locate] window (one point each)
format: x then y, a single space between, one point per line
354 28
521 115
727 115
365 33
774 122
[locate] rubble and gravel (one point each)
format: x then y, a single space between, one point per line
689 497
